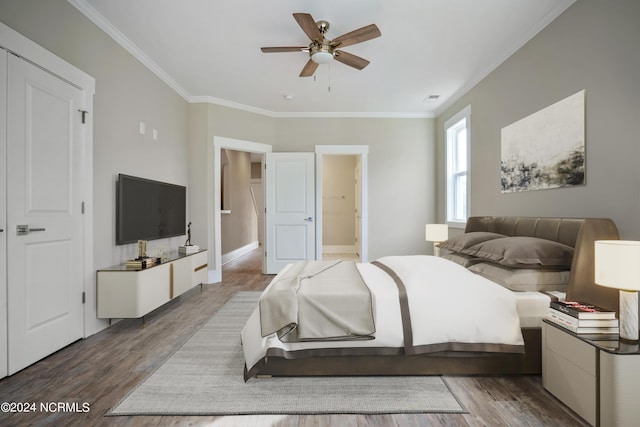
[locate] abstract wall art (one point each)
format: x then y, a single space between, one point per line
546 149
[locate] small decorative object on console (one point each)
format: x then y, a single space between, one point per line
141 263
188 242
142 249
188 248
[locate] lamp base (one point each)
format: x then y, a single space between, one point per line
629 315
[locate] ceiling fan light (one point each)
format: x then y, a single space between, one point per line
321 57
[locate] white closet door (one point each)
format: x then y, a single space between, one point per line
44 190
290 203
3 213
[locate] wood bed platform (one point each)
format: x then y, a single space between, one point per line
580 233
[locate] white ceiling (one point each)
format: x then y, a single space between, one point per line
209 50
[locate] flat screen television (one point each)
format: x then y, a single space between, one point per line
149 210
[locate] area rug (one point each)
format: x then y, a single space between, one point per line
205 377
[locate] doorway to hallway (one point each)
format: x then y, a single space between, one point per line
350 165
341 195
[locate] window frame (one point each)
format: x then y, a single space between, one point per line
451 176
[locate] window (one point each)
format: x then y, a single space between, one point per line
458 135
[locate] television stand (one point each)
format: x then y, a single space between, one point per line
125 293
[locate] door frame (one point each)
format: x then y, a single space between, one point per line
4 307
214 234
20 45
358 150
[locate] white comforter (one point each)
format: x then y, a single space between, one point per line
450 307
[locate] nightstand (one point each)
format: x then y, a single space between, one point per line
598 377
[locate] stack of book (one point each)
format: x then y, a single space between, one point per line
188 249
140 263
581 318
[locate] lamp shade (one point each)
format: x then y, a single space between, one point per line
618 264
436 232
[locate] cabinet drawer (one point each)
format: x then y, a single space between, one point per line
200 273
570 348
575 387
129 294
180 276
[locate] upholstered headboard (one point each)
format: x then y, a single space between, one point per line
580 233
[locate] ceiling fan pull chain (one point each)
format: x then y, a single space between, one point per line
329 88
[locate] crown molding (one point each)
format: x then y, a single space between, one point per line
355 115
320 114
97 18
230 104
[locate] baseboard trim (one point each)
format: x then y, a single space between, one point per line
339 249
236 253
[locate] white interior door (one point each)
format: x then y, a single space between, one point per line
290 205
44 178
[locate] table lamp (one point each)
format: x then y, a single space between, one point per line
618 266
436 233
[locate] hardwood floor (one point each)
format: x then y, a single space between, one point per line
103 368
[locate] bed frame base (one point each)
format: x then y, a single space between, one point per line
424 364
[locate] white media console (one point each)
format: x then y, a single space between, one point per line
126 293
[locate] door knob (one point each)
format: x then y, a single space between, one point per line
309 219
23 229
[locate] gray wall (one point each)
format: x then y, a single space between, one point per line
593 45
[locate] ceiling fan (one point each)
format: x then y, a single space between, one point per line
322 50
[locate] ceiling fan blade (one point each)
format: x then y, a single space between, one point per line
284 49
357 36
350 59
308 25
309 68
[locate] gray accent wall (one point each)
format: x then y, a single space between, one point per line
593 45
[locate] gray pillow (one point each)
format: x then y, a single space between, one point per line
524 252
462 259
467 240
521 279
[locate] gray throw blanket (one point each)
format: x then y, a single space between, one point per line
318 301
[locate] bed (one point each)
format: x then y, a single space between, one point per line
268 354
